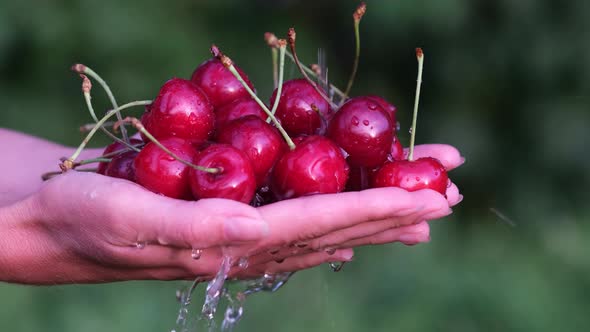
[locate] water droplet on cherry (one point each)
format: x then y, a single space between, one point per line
243 263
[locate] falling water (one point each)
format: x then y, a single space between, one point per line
215 290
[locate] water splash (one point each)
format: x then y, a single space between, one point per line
196 253
243 263
140 244
215 290
184 297
233 312
336 266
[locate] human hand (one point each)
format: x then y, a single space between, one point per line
84 228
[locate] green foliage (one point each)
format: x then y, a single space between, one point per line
505 81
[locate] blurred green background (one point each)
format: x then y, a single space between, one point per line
507 82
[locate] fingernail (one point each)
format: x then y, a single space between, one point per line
245 229
347 255
462 161
460 199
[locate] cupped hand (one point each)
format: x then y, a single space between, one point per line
85 227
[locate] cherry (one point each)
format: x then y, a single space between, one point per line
299 106
260 142
235 180
390 108
397 150
364 130
237 109
315 166
218 83
422 173
182 110
360 178
412 175
121 166
114 147
161 173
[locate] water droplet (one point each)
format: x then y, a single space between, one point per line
410 131
372 106
330 251
366 122
196 253
140 244
436 173
354 121
336 266
279 261
417 178
398 126
243 263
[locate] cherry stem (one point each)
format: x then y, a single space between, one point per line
228 63
86 87
357 16
292 35
68 164
272 42
49 175
275 74
88 126
83 69
279 88
139 126
420 57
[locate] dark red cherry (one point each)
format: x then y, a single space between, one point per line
121 166
237 109
113 147
423 173
219 83
161 173
364 130
390 108
397 150
180 110
295 111
258 140
360 178
234 181
315 166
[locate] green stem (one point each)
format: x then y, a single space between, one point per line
108 133
314 75
94 160
356 59
275 75
109 114
106 88
142 129
420 56
280 82
237 75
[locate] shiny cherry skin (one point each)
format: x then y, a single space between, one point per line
113 147
364 130
422 173
161 173
360 178
237 109
121 166
397 150
295 111
180 110
315 166
234 181
219 84
390 108
258 140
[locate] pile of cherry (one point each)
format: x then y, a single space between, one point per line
220 143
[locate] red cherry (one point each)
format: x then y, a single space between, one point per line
161 173
259 141
315 166
121 166
423 173
364 130
390 108
295 110
237 109
397 150
180 110
360 178
235 180
115 146
219 83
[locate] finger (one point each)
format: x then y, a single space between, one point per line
448 155
311 217
297 263
453 195
408 235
